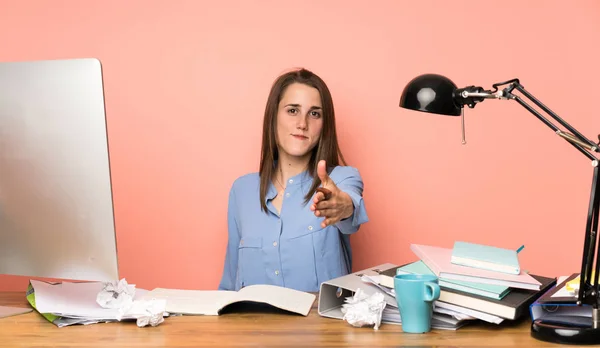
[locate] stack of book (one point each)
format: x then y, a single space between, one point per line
471 284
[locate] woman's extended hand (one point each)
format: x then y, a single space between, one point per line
329 201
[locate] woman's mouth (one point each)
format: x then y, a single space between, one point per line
299 137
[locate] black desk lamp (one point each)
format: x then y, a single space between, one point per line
439 95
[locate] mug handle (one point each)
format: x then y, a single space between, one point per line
433 293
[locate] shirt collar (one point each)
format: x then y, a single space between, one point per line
297 179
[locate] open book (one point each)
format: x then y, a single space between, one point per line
211 302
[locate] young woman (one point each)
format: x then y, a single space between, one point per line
290 223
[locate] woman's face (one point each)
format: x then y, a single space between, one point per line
299 120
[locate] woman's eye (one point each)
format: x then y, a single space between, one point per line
292 111
315 114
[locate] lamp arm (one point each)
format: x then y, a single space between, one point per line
579 144
472 95
575 137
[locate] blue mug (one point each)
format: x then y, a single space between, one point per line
415 294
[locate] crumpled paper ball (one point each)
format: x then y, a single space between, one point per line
116 295
362 309
119 295
146 312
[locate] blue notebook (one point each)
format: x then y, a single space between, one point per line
486 257
496 292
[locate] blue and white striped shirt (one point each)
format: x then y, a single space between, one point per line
289 249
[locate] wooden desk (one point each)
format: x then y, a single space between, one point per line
247 327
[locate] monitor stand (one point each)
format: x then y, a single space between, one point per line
12 311
9 307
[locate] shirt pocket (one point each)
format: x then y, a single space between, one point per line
306 226
251 263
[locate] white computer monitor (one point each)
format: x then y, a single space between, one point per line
56 205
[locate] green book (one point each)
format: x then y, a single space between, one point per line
31 299
496 292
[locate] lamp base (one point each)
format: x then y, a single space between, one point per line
566 329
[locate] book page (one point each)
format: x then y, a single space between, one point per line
194 302
563 291
284 298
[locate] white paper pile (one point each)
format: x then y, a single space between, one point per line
89 303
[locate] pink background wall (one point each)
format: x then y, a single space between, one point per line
186 83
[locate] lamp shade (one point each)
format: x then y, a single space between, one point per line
431 93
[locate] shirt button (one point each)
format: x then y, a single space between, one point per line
242 242
287 194
310 228
291 181
274 243
276 272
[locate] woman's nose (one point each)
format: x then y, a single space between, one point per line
301 123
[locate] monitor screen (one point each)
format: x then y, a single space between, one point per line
56 207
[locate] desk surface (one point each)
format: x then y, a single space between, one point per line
247 327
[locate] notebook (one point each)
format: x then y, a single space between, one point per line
439 261
486 257
496 292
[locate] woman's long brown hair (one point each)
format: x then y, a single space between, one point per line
327 149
